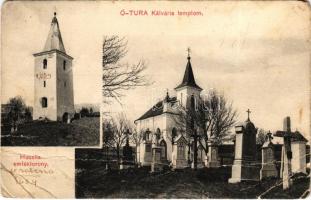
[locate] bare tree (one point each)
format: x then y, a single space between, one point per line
189 121
118 77
137 138
211 117
261 136
116 132
219 118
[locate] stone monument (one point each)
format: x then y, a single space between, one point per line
244 165
212 156
156 159
128 158
268 168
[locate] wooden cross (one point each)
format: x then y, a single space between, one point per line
248 112
286 169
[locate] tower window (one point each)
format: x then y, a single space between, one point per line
44 102
65 84
64 65
45 64
192 104
44 83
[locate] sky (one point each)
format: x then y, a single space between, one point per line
255 53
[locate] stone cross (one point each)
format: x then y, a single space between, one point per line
248 112
269 136
286 169
189 50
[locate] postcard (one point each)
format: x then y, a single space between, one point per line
157 99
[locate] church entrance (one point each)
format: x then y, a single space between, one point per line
65 117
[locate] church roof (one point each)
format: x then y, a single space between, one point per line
156 110
54 40
188 79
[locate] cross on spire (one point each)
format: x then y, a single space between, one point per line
248 112
188 50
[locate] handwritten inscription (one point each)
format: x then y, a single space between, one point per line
28 167
43 76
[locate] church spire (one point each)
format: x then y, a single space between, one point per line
54 40
188 79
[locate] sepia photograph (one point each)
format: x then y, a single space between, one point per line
219 112
155 100
43 103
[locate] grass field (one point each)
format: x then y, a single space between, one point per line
92 181
82 132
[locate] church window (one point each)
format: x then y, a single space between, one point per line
45 64
163 150
158 134
44 83
64 65
44 102
174 133
192 104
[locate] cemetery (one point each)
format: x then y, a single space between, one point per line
249 171
172 152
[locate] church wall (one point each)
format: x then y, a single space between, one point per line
49 91
65 98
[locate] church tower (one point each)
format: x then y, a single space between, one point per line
188 92
53 85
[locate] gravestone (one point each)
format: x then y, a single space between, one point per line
179 154
213 156
156 159
244 165
286 157
200 157
128 158
268 168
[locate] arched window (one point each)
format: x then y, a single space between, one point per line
163 150
158 134
45 64
64 65
174 134
44 83
147 135
192 104
44 102
65 83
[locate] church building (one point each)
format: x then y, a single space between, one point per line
53 85
160 129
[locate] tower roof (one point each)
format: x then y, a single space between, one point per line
188 79
54 40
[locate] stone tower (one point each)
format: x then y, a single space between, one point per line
53 85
